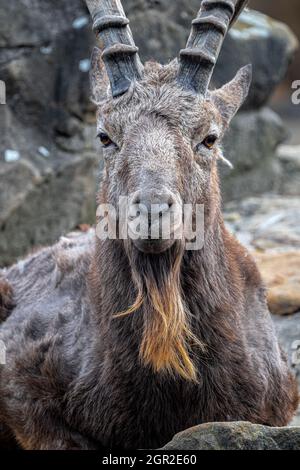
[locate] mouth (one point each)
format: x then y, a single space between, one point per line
153 247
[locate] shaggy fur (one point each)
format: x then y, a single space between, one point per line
109 346
6 299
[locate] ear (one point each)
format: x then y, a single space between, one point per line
98 78
231 96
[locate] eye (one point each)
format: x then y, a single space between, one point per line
105 139
210 141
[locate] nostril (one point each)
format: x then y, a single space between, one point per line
136 198
171 202
163 209
157 203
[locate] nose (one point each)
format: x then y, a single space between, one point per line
156 211
154 202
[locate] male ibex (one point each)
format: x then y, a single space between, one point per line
127 342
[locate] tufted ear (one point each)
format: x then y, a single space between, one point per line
98 78
231 96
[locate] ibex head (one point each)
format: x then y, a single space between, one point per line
160 126
161 129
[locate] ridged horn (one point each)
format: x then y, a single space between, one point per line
198 59
120 54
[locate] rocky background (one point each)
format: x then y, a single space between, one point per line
50 162
288 12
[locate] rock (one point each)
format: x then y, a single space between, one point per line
290 154
288 328
267 222
48 155
250 145
289 157
263 42
11 156
235 436
255 135
37 22
38 203
289 13
281 274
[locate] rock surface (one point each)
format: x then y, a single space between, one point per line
288 328
235 436
268 226
281 274
265 223
250 145
289 158
266 44
48 155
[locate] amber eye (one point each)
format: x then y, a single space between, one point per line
105 139
209 141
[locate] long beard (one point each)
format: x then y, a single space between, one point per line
167 339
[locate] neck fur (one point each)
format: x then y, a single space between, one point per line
151 299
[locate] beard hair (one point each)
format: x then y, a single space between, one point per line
167 338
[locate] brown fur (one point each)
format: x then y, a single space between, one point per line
167 332
6 299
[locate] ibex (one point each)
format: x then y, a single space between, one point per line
125 342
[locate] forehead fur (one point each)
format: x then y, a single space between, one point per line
158 94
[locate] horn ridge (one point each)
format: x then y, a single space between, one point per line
103 22
207 4
212 21
198 59
119 51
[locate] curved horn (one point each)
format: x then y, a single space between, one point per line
209 29
120 54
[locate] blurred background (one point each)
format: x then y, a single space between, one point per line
50 162
289 13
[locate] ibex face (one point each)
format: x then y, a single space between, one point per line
160 127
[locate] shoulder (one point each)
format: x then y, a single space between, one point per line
46 290
244 261
69 257
6 299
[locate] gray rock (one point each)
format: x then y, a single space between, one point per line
263 42
48 107
250 146
289 157
288 328
290 154
235 436
157 35
39 203
266 222
32 23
